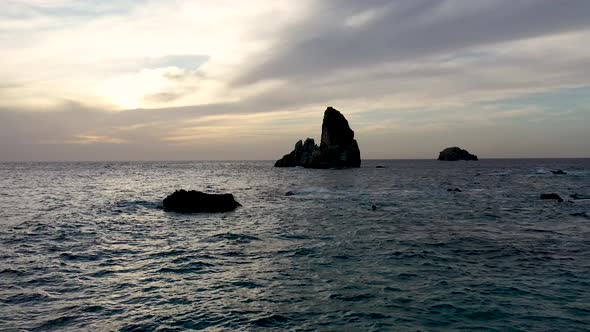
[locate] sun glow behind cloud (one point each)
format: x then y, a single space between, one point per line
102 58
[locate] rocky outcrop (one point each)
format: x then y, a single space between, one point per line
454 154
337 149
552 196
192 201
305 154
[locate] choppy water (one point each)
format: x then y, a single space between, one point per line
85 246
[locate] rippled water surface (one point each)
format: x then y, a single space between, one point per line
86 246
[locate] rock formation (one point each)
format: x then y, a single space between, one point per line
454 154
337 149
305 154
195 201
552 196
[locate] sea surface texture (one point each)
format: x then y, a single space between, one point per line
87 247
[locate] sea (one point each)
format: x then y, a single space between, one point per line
86 246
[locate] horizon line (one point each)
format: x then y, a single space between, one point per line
269 160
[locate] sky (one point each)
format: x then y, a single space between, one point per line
228 79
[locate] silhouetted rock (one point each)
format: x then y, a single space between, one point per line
580 214
559 172
457 190
552 196
289 193
337 149
379 166
195 201
304 154
578 196
454 154
373 207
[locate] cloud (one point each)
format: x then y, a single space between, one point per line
60 55
162 97
324 43
92 139
233 131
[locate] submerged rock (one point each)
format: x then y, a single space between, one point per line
454 154
552 196
379 166
195 201
457 190
559 172
578 196
337 149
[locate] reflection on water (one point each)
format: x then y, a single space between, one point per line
87 246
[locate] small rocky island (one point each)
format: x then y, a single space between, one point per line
192 201
337 149
455 153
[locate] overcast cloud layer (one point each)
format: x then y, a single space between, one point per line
152 80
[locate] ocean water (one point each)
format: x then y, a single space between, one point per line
86 246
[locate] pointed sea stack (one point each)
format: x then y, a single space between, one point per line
455 153
338 148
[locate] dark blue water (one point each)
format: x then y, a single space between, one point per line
86 246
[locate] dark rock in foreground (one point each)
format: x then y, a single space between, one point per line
559 172
552 196
337 149
454 154
195 201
